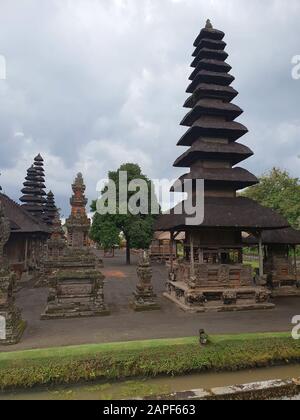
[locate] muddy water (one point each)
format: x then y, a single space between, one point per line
148 387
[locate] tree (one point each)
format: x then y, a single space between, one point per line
136 228
279 191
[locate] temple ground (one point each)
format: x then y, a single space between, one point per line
126 325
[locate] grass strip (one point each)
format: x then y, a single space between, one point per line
75 364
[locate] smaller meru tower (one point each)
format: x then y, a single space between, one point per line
212 275
78 224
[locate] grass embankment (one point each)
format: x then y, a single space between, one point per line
71 365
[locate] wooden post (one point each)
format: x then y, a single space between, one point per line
192 254
201 256
261 256
171 251
295 263
26 254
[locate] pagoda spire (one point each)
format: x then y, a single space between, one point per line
212 130
50 209
33 198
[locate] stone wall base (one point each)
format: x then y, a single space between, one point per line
60 312
267 390
286 292
221 299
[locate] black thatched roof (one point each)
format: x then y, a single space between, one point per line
211 44
221 212
211 91
209 33
211 107
240 178
216 129
233 152
20 220
211 54
211 65
287 236
213 77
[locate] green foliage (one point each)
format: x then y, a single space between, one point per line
145 359
279 191
137 229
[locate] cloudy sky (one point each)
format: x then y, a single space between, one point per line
94 83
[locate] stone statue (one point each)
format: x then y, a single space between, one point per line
144 297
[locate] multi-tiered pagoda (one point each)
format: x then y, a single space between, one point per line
50 209
213 275
33 198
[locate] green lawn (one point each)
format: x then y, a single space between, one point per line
71 365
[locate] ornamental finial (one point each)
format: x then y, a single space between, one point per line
208 24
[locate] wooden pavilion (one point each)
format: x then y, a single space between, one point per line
280 260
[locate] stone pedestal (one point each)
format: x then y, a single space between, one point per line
216 287
12 325
144 297
76 287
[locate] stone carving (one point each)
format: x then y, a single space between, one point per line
195 299
229 297
12 325
263 295
144 297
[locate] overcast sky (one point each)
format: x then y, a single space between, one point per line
95 83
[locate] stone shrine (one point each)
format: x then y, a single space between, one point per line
144 297
76 282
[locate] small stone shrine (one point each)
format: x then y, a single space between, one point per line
144 297
76 284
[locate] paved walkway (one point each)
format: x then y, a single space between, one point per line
125 325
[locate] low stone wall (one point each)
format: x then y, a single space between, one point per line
275 389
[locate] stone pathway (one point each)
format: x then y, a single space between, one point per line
125 325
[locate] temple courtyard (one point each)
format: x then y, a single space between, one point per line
126 325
